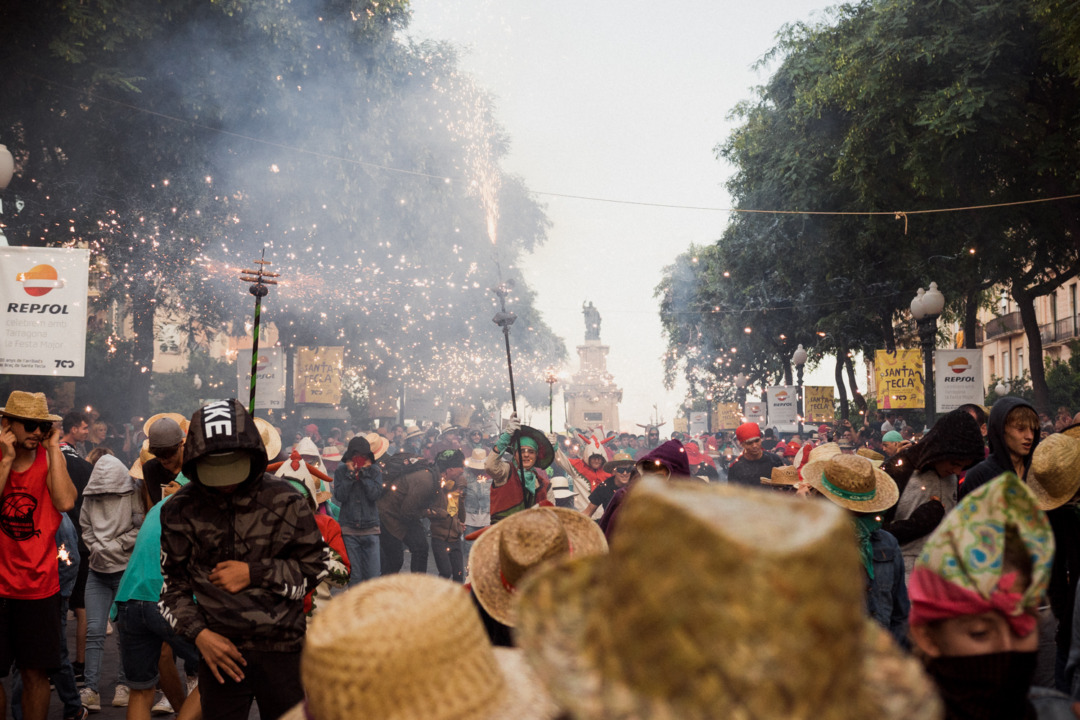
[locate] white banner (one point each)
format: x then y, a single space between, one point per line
784 408
754 412
958 379
699 423
43 298
270 385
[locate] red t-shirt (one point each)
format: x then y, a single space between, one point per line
28 524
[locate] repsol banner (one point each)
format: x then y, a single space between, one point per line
43 310
270 371
784 408
958 379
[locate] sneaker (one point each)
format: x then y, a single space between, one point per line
120 699
90 700
81 715
162 707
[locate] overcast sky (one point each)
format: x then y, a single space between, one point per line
622 100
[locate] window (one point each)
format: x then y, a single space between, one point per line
1006 369
993 370
1072 306
1019 363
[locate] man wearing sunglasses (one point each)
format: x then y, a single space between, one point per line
754 463
621 468
34 489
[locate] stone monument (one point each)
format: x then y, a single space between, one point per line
591 397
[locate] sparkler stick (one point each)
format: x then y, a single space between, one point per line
504 320
260 278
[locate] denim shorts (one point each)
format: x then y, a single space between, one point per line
142 630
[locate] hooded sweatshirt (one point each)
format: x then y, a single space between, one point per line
262 521
111 515
998 461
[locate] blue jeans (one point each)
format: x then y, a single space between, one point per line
100 593
142 630
364 557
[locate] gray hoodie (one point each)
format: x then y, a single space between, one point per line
111 515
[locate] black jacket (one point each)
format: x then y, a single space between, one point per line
998 461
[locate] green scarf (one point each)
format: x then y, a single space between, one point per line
865 525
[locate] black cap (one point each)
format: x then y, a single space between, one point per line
358 446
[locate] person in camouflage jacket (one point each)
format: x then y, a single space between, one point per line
239 551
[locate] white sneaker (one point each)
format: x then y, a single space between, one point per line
90 700
162 707
120 699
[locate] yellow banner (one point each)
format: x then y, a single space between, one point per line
317 375
726 416
899 379
819 404
679 424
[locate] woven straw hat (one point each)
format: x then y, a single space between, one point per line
784 475
136 470
379 444
412 647
511 548
620 460
180 420
852 482
761 617
28 406
871 455
1055 470
271 438
476 459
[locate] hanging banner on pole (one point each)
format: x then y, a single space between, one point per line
726 416
698 423
270 384
754 412
958 379
43 298
784 408
899 379
820 407
317 375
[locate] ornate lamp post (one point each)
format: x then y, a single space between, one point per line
740 382
926 307
798 359
551 379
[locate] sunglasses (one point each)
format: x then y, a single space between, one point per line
32 425
623 470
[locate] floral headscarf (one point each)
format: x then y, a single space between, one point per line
961 568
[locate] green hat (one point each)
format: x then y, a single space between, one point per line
892 436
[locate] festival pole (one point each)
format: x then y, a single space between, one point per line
260 278
504 320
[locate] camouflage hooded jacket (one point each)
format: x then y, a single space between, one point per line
263 522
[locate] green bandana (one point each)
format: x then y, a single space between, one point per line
865 525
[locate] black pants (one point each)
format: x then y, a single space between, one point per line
448 559
392 550
271 679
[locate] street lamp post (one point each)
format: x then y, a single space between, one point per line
551 379
926 307
740 382
798 359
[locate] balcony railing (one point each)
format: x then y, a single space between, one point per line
1004 325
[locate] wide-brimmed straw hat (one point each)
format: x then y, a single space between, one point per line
872 455
412 431
412 647
1054 476
852 482
476 459
378 443
783 475
620 460
28 406
511 548
145 456
271 438
560 488
761 617
792 475
180 420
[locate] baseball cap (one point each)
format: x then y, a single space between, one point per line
165 433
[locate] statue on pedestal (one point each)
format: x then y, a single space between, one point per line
592 321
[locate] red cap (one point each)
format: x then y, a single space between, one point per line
823 429
791 449
747 431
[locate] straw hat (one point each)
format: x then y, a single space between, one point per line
509 549
378 443
412 432
852 482
784 475
1072 431
180 420
28 406
271 438
620 460
136 470
412 647
560 488
1055 470
476 459
872 455
761 617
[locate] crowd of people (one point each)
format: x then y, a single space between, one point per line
892 571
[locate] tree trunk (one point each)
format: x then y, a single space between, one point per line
787 372
860 401
888 332
1025 301
142 318
840 387
971 315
